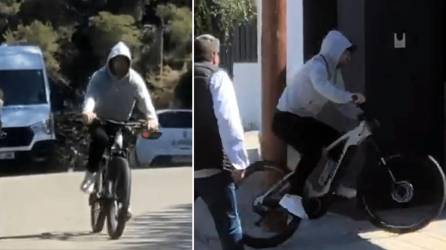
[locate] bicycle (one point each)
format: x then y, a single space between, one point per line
395 194
111 196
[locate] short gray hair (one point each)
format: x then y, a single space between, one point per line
205 45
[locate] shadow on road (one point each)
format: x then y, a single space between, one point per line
49 236
169 229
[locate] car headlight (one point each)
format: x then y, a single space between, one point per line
43 127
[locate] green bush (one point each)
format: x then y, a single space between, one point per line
220 17
9 7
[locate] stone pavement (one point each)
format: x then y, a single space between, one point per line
334 231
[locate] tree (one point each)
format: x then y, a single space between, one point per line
175 23
220 17
56 12
42 35
108 29
180 29
183 91
9 7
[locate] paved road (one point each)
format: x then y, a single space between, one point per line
47 211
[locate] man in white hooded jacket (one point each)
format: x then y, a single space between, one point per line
112 94
295 120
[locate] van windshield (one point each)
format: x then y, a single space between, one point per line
23 87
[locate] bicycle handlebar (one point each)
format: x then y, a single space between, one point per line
146 134
365 116
133 124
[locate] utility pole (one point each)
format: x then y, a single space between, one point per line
273 74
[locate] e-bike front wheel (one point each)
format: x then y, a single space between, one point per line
403 193
117 207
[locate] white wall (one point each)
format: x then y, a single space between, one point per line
295 54
295 36
248 85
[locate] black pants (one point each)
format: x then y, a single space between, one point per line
100 139
308 136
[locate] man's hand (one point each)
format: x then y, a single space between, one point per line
152 124
238 175
358 98
88 117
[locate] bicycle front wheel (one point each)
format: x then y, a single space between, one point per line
117 207
264 225
97 213
409 201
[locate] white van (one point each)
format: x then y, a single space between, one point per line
26 116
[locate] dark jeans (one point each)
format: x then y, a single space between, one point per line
218 192
308 136
100 139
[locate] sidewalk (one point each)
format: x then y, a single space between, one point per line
331 232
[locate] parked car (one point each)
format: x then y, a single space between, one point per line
175 143
27 117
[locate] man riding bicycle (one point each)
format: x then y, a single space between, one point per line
112 94
296 122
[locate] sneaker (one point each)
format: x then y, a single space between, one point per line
345 192
293 204
129 213
87 185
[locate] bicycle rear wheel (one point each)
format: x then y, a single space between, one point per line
264 225
410 203
117 207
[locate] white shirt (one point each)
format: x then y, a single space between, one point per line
228 118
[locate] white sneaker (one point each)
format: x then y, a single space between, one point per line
129 213
346 192
293 203
87 184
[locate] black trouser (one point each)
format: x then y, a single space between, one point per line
100 139
308 136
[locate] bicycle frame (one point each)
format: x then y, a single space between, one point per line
116 147
353 137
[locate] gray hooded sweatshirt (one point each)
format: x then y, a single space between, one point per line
318 81
113 98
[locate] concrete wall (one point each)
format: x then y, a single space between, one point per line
247 85
295 36
295 54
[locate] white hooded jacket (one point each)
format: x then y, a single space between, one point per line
316 82
113 98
